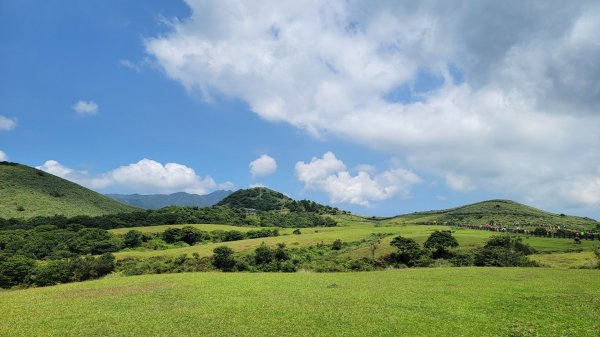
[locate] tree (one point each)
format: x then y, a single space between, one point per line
440 242
133 239
263 254
191 235
172 235
14 270
408 250
223 258
505 251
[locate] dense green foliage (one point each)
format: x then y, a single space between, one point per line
18 270
440 242
27 192
177 215
263 199
500 212
505 251
410 302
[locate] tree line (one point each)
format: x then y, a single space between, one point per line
177 215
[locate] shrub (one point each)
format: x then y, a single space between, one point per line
505 251
337 245
440 242
223 258
133 239
408 250
14 270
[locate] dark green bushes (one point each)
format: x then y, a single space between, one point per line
505 251
18 270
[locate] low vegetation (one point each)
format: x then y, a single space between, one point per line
411 302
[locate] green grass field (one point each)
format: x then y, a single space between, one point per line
414 302
356 230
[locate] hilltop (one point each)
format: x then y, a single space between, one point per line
503 212
265 199
26 192
157 201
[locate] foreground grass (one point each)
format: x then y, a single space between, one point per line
441 301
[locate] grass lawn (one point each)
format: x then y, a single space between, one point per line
415 302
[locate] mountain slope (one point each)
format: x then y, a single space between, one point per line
264 199
26 192
156 201
259 198
505 212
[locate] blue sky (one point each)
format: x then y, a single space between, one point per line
379 109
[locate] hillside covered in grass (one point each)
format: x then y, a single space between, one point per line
26 192
500 212
265 199
409 302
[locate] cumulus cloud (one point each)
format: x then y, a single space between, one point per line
486 95
3 156
328 174
85 107
7 124
263 166
145 176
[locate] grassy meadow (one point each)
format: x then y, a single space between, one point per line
351 230
416 302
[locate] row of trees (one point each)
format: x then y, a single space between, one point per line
192 235
499 251
176 215
21 271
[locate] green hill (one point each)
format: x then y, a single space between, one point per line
259 198
27 192
264 199
503 212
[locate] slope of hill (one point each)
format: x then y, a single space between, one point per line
259 198
27 192
156 201
264 199
505 212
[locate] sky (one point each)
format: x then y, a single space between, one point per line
379 107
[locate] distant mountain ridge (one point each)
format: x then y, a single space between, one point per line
27 192
157 201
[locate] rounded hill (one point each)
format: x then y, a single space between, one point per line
26 192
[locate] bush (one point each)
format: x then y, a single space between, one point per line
15 270
505 251
440 242
223 258
337 245
408 250
133 239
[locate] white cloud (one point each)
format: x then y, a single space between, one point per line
85 108
7 124
525 115
329 175
3 156
263 166
145 176
130 65
257 185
